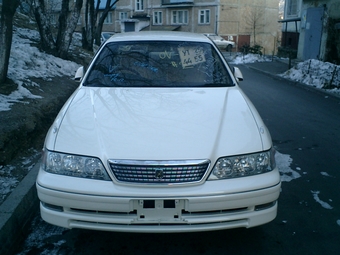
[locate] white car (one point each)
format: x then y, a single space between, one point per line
222 43
158 137
105 35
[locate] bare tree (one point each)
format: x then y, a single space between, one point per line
88 29
6 32
109 5
254 18
92 29
67 23
47 41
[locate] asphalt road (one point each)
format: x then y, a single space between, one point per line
305 126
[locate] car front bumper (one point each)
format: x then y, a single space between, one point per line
160 213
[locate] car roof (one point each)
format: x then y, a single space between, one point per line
159 36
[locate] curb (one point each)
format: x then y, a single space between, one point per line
17 211
22 204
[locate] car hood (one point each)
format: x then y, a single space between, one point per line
158 124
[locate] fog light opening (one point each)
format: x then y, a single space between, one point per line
53 207
265 206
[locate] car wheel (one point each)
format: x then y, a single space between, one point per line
228 48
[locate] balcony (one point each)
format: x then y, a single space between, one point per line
175 3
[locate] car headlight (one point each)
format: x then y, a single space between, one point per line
243 165
74 165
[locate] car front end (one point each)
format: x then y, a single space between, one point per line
140 157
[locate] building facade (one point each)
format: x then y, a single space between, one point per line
248 22
197 16
291 23
312 29
251 22
320 31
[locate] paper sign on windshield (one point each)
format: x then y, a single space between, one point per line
191 56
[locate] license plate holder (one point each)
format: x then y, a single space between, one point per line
158 210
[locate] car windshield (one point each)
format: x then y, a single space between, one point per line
158 64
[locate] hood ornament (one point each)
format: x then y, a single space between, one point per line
159 173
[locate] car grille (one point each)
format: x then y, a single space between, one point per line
159 172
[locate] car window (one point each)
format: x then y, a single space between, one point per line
158 64
215 37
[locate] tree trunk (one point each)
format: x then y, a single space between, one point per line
91 24
92 30
62 23
46 37
99 27
102 18
87 33
67 24
6 33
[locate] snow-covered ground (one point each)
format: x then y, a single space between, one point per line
249 58
312 72
26 61
322 75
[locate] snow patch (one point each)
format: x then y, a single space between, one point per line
283 162
7 101
317 74
7 185
9 179
318 200
312 72
325 174
41 231
249 58
26 62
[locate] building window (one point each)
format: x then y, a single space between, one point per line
157 18
123 15
292 6
139 5
108 19
179 17
204 17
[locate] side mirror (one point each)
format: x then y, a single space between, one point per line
238 74
79 74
